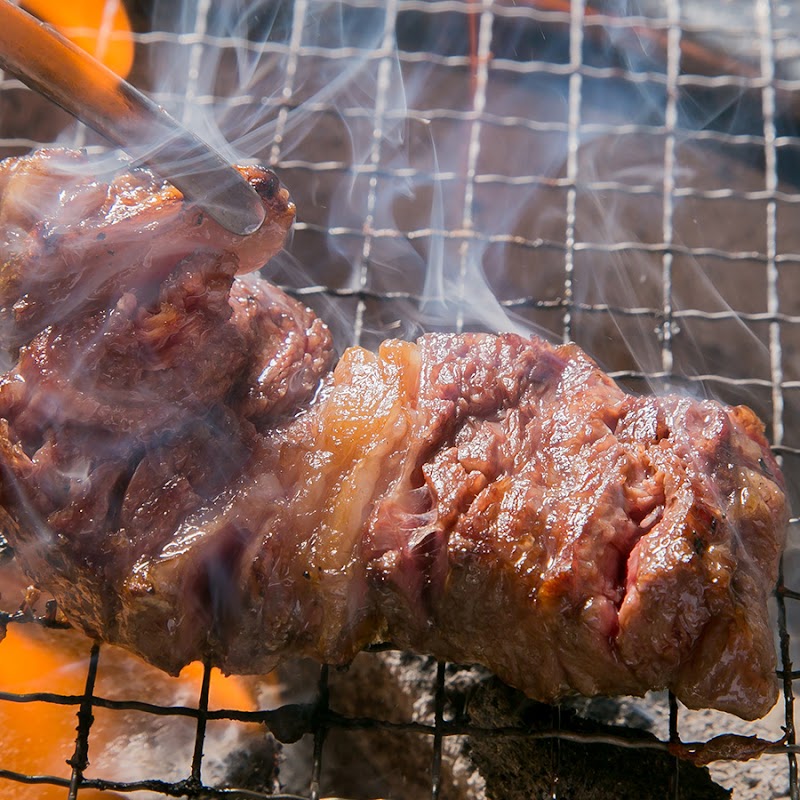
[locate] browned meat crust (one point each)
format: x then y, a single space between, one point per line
74 241
187 477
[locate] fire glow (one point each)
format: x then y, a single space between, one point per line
101 27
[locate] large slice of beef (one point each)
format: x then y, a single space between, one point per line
184 472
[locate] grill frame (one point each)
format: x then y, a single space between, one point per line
577 21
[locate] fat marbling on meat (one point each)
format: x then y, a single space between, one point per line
186 472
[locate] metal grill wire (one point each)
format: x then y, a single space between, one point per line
366 306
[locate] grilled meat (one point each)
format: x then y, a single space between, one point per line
73 241
185 473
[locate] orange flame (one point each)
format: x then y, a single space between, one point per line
101 27
39 737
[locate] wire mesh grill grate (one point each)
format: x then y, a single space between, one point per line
509 132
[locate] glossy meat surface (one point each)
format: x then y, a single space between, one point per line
72 241
188 476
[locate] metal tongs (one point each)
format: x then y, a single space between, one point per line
81 85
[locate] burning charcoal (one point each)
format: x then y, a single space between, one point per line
492 762
520 768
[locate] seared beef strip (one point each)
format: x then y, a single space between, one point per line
184 473
74 241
